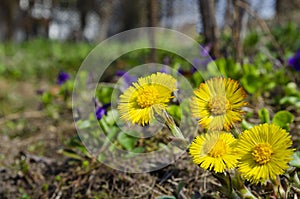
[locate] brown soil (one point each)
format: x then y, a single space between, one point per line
32 164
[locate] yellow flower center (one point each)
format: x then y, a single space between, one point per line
218 150
218 105
262 153
147 96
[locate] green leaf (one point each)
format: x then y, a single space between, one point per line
251 40
176 66
70 154
264 115
135 151
104 125
252 83
291 100
246 125
165 197
179 188
197 79
85 164
47 98
291 89
296 159
112 132
228 67
104 94
126 141
138 150
213 69
250 69
2 68
269 85
83 124
221 64
175 111
111 117
283 119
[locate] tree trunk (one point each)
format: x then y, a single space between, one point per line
105 11
169 12
133 14
153 18
239 28
83 8
209 24
8 9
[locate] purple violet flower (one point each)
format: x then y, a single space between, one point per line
197 62
102 110
181 71
204 52
166 60
165 69
62 77
127 78
120 73
295 61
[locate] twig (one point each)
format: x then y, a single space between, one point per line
163 189
145 192
38 159
151 188
182 195
165 177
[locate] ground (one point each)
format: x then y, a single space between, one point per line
32 164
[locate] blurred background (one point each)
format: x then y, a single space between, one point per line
95 20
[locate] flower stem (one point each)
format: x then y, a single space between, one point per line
278 189
243 190
246 193
178 138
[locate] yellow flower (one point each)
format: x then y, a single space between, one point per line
214 151
264 152
145 97
218 102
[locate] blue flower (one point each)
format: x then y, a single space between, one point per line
201 61
204 52
197 62
166 60
165 69
126 77
295 61
62 77
102 110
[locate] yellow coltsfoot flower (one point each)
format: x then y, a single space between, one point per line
214 151
148 95
264 152
218 102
